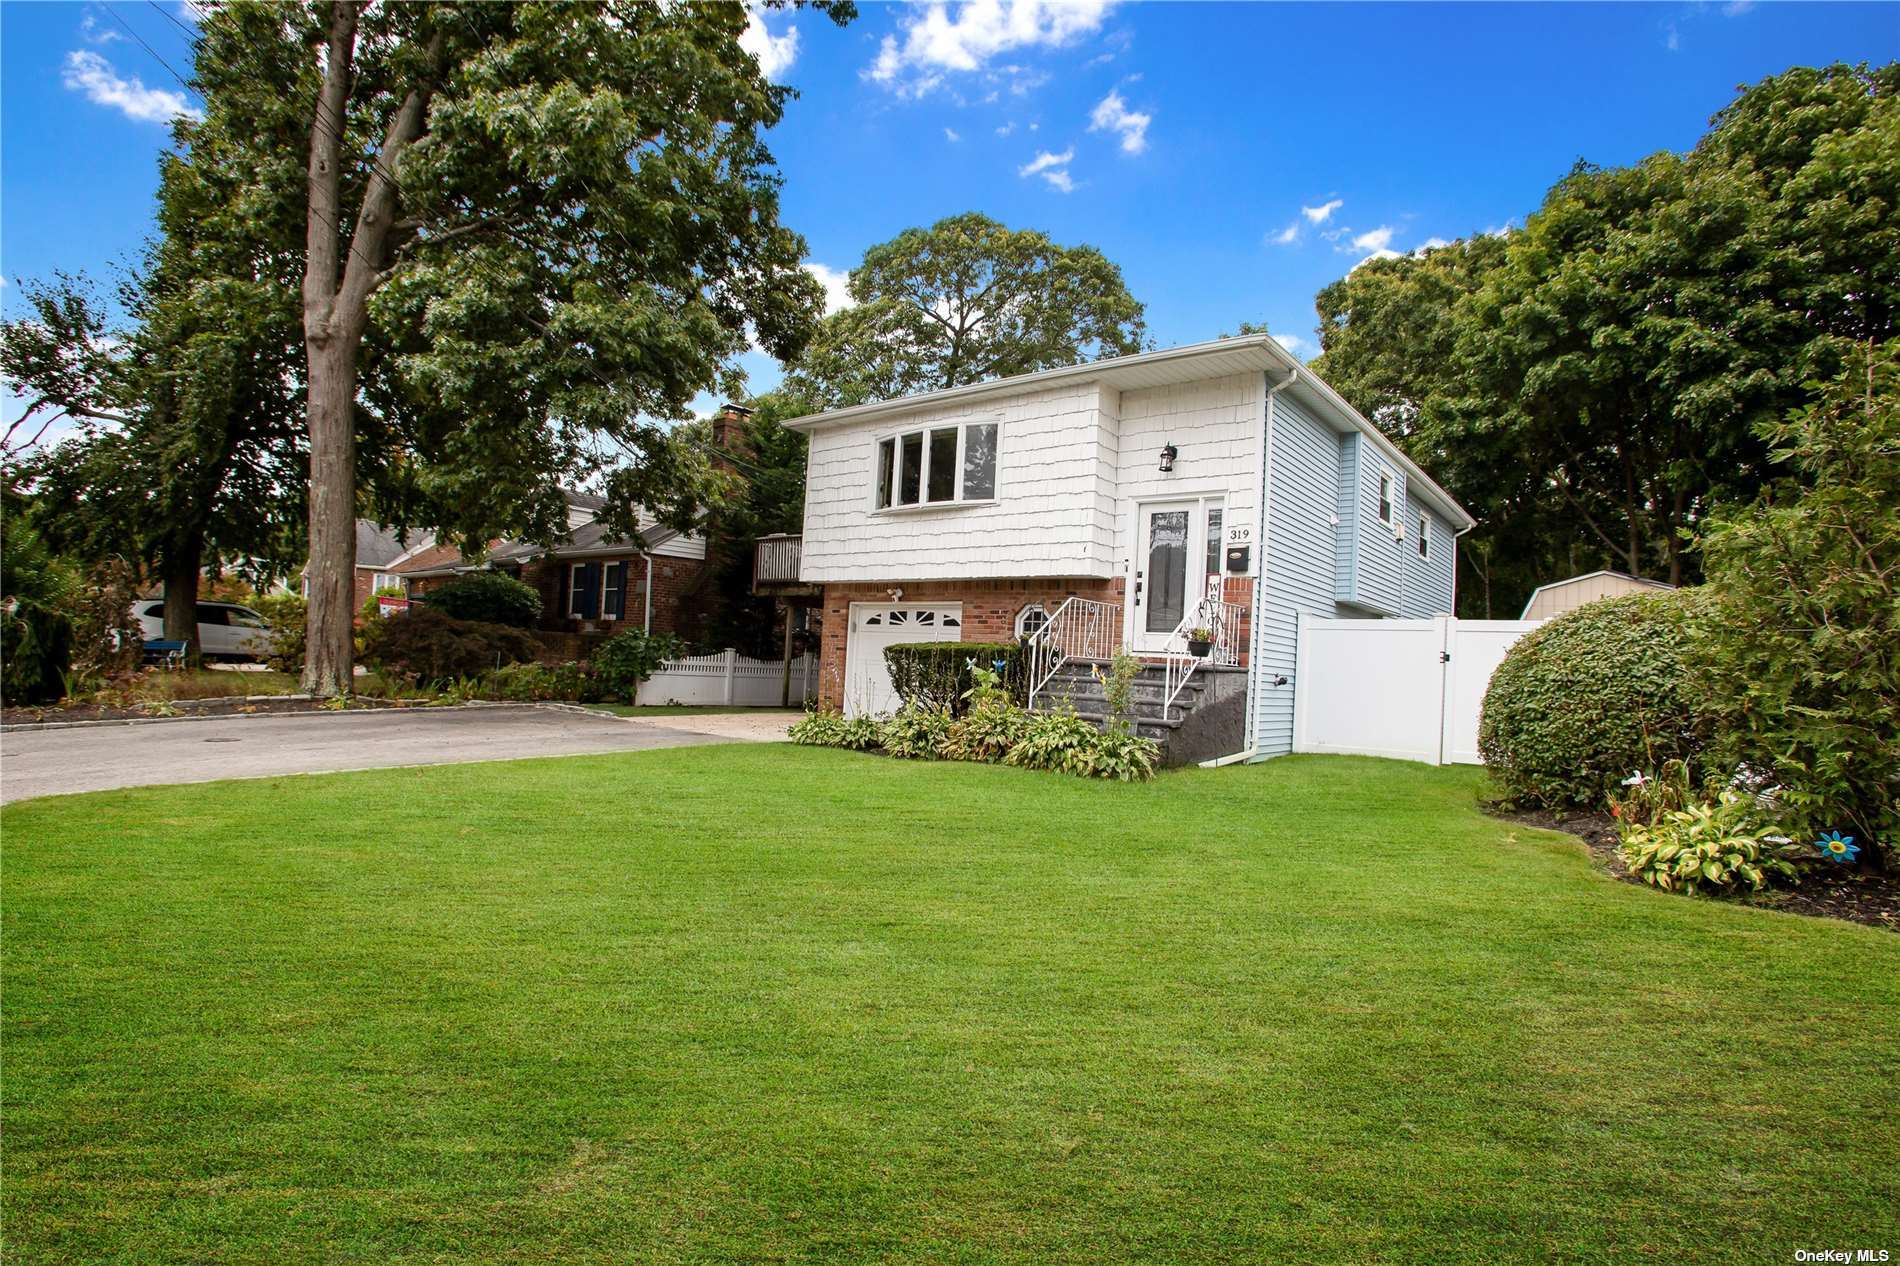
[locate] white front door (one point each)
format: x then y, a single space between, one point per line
876 625
1177 551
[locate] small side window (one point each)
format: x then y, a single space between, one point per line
1424 537
1385 498
1030 619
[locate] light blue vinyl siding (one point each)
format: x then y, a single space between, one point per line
1297 564
1346 536
1379 558
1428 580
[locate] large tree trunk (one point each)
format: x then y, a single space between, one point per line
329 650
179 572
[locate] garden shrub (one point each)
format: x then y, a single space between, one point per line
107 639
834 729
986 732
1592 695
1056 741
288 617
626 659
36 635
818 728
916 732
427 646
1707 845
1798 648
489 597
537 683
937 674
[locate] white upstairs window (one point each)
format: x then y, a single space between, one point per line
936 465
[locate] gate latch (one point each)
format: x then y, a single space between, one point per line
1444 657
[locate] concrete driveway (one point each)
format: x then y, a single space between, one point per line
98 758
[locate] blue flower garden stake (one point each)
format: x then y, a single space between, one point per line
1837 847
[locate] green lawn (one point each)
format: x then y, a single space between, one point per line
778 1004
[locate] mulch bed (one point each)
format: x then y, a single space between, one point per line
223 707
1851 893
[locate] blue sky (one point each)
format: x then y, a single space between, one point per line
1232 158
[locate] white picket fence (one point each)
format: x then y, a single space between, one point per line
728 678
1407 689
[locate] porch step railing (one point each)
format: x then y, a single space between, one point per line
1081 628
1223 621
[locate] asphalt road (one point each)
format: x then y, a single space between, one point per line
98 758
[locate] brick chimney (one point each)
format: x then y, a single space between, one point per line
729 433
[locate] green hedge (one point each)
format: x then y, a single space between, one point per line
488 597
1580 703
936 675
430 648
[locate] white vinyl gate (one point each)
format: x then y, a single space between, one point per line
1407 689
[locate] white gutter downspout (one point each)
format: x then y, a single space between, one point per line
1455 537
646 625
1260 578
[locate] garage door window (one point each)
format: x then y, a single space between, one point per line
918 619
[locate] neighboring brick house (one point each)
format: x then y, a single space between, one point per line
378 551
1121 503
592 584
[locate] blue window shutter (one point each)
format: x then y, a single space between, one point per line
620 590
587 591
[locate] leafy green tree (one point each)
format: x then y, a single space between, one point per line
769 497
1594 384
528 231
1799 645
962 301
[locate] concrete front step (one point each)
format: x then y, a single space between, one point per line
1182 734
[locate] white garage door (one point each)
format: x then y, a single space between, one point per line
876 625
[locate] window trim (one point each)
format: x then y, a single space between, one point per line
890 478
1424 535
1386 488
607 568
1024 614
573 569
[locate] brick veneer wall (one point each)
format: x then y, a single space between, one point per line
990 608
989 613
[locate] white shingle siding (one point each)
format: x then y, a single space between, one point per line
1072 461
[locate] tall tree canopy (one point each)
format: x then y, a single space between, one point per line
1592 386
964 300
527 231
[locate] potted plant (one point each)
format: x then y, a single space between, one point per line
1200 642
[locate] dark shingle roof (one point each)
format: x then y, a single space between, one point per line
378 546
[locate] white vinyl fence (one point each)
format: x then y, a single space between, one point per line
729 678
1407 689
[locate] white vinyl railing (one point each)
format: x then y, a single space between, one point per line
1223 621
1081 628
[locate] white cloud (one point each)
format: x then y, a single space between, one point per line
1053 168
1323 212
1736 8
774 53
1429 244
92 32
1112 114
1673 40
941 40
1382 253
1288 235
951 134
1374 240
837 284
93 75
1007 128
1292 342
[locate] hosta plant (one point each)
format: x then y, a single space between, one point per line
916 732
1707 845
985 733
1057 741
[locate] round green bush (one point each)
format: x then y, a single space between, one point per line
1580 703
488 597
430 648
